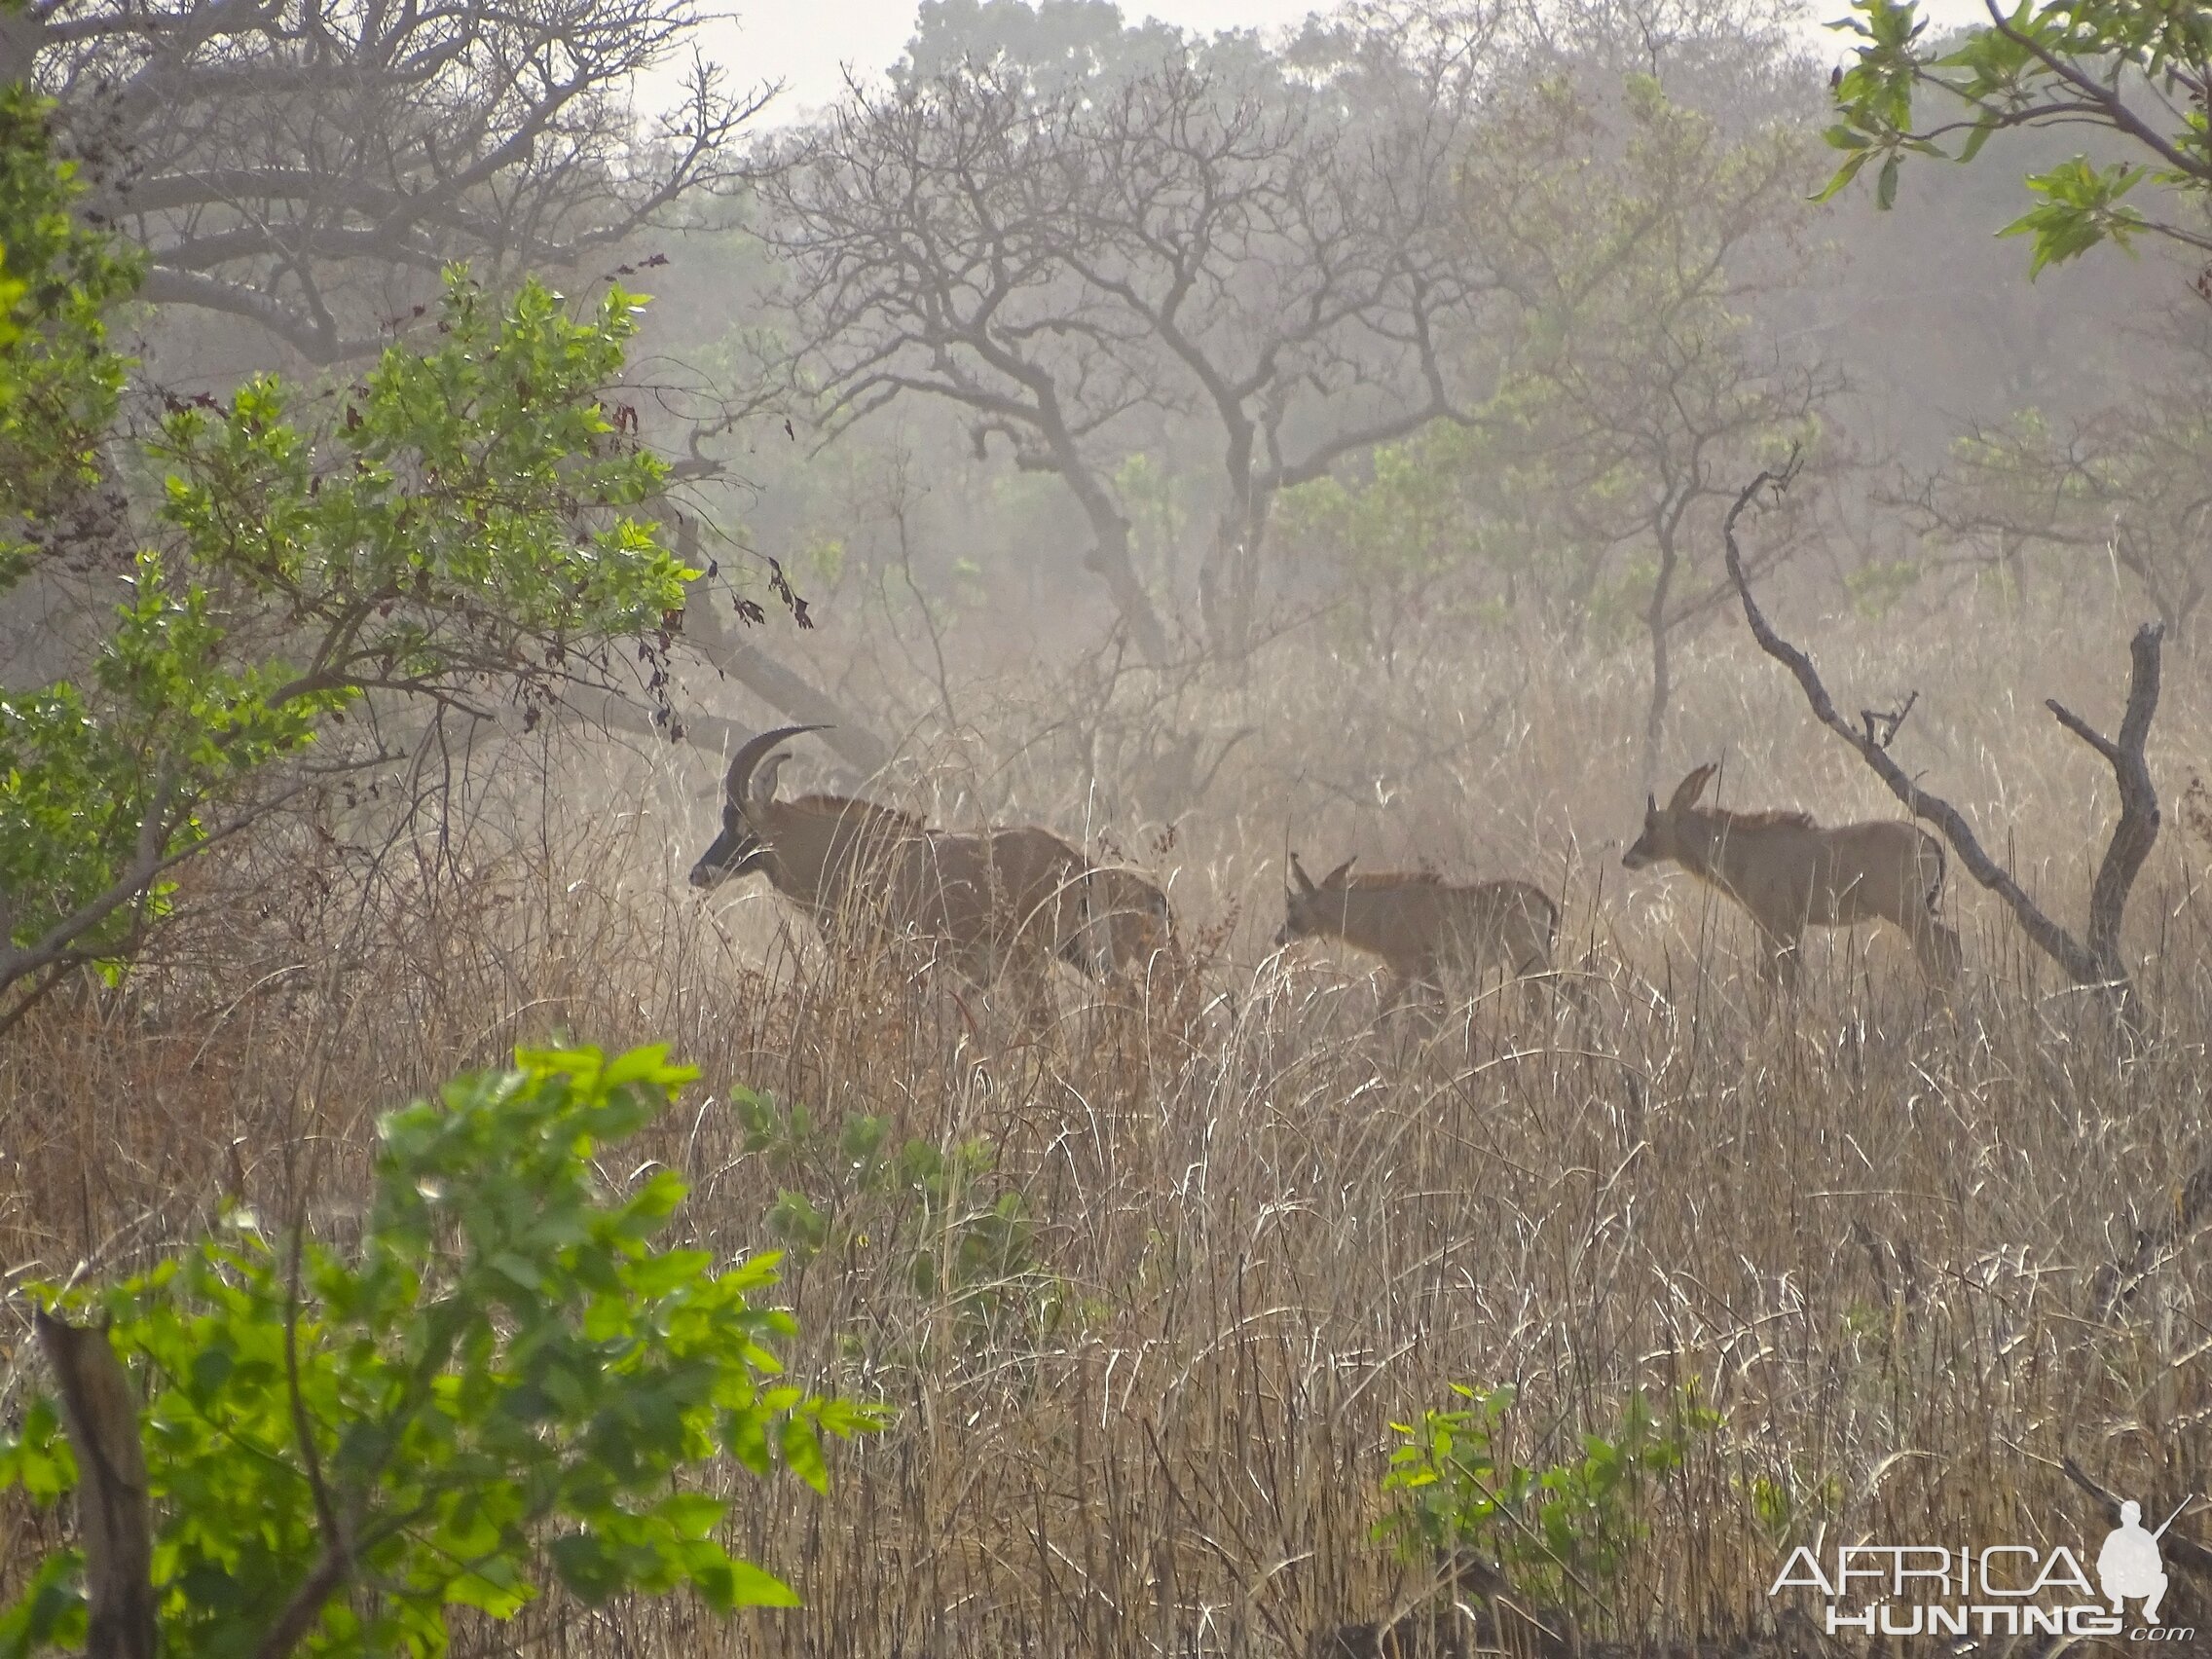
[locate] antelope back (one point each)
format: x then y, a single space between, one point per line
830 852
1126 921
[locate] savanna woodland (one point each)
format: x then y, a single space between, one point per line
1385 834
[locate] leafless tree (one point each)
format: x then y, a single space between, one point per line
1209 234
309 164
925 230
1283 244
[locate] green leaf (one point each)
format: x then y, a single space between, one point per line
38 1459
1841 179
692 1514
586 1567
749 1586
519 1268
803 1452
50 1612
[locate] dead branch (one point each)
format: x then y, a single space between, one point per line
112 1511
2095 962
782 688
313 179
1881 727
2138 827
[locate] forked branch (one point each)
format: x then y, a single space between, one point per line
2094 960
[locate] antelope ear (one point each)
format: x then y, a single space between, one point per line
1335 877
1651 804
1691 787
765 780
1298 872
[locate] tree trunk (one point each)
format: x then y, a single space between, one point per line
1662 665
1109 560
112 1511
1229 580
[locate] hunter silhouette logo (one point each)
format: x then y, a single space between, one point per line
2004 1589
2129 1567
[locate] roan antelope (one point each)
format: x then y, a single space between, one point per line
1423 926
993 903
1004 903
1125 922
823 852
1790 872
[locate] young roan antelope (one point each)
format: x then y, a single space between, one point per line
1790 873
1425 929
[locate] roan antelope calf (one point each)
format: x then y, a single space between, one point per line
1423 926
1790 872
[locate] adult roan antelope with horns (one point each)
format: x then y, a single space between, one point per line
993 905
1424 928
1790 873
828 854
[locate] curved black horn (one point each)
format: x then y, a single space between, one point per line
742 763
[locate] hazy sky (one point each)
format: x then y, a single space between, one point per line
807 42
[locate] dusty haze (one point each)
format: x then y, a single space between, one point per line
1222 1223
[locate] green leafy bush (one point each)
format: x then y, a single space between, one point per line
503 1365
1562 1533
472 518
60 383
959 1232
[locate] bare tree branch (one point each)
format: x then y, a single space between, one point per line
312 172
781 687
1212 232
2096 962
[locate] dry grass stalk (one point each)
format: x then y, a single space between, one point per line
1243 1225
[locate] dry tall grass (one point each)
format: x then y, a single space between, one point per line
1146 1409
